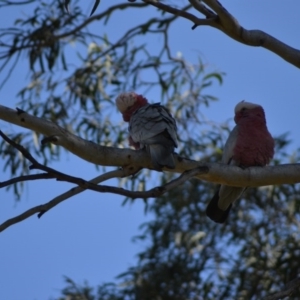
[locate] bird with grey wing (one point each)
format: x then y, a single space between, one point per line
151 127
249 144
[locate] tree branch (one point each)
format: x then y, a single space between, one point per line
100 16
203 9
77 190
26 178
135 160
221 19
179 12
8 3
230 26
225 174
289 289
155 192
41 209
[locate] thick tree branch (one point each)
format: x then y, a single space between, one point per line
135 160
218 17
212 172
41 209
203 9
62 176
155 192
230 26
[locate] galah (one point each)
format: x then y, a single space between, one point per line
249 144
151 126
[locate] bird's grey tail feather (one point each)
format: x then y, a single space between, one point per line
162 156
214 212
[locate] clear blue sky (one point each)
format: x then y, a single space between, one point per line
89 236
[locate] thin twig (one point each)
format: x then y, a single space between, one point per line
26 178
82 184
289 289
119 173
154 192
8 3
99 17
179 12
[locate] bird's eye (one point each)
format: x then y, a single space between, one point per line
243 109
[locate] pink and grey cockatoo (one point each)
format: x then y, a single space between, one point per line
151 126
249 144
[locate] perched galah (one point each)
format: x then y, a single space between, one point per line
249 144
150 126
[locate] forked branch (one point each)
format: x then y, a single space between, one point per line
218 17
135 160
83 185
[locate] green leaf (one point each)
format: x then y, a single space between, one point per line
97 2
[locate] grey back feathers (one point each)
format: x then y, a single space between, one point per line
153 127
229 146
221 203
228 194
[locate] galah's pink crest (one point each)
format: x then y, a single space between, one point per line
151 126
249 144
